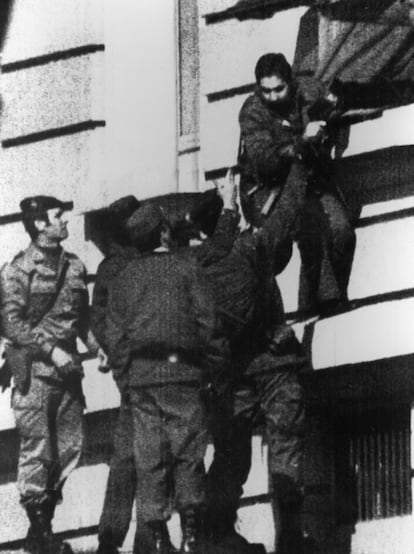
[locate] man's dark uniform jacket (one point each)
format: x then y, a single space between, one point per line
117 259
265 357
164 339
120 489
242 273
143 320
271 141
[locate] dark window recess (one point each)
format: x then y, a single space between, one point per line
373 466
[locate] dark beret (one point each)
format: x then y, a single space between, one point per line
34 205
202 209
146 219
123 208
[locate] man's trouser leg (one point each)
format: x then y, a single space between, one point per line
121 485
168 431
341 240
169 440
49 421
231 433
282 404
326 241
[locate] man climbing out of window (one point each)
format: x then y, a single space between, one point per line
276 128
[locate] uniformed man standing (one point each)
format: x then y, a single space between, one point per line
163 340
44 305
264 382
120 488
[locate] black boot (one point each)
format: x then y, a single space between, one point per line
40 533
287 511
190 525
153 538
106 548
40 539
30 542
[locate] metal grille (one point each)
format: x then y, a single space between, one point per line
375 461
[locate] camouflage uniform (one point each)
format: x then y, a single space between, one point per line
49 413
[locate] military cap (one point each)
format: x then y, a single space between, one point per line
35 205
146 219
123 208
206 212
201 209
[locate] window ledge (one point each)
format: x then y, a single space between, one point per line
188 144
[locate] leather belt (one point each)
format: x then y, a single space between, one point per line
170 356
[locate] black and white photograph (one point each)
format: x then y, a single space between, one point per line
206 276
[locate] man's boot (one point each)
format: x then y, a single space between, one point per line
291 537
106 548
287 513
40 539
191 529
153 538
39 534
50 507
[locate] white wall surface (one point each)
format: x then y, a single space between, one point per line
63 167
42 27
52 95
140 99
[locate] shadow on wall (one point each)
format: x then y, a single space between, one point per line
378 176
6 7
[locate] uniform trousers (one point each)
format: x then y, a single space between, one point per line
49 422
121 484
169 442
326 241
270 395
322 227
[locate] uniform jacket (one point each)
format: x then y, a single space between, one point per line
270 141
117 259
243 277
27 284
267 139
162 304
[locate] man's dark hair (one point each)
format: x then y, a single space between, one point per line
182 231
273 64
146 242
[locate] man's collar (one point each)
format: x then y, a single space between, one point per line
38 253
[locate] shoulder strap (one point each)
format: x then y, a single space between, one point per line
55 295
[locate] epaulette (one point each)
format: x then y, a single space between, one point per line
71 255
75 261
23 262
18 255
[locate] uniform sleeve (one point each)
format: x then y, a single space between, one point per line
279 226
15 288
115 327
221 242
99 306
85 314
269 154
214 343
